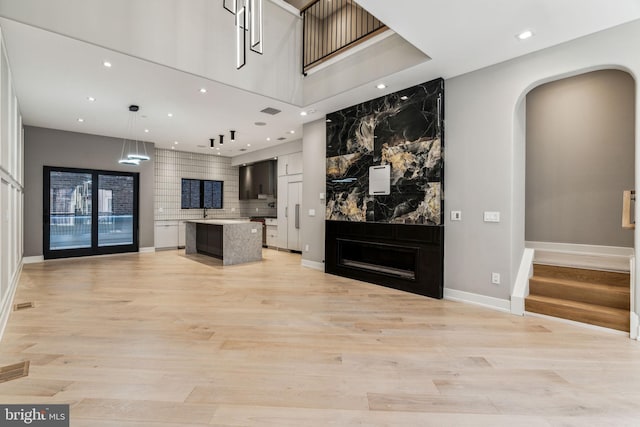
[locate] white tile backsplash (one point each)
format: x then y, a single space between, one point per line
172 165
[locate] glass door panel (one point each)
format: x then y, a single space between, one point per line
70 210
89 212
115 210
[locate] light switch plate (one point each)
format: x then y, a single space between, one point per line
312 212
491 216
456 215
254 230
322 196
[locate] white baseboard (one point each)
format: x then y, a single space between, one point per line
634 327
313 264
482 300
611 258
33 259
521 287
146 250
7 303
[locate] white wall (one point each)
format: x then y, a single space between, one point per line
196 36
484 152
11 190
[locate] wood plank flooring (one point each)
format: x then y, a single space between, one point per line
165 339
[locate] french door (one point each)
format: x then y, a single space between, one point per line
89 212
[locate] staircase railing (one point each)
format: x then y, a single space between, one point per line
330 27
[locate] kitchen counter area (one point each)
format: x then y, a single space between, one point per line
234 241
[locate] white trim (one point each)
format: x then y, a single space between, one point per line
521 287
286 6
313 264
351 51
634 327
574 323
612 258
482 300
7 304
578 248
146 250
33 259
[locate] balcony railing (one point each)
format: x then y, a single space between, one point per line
330 27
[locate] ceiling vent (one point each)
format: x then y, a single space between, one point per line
282 138
242 149
271 111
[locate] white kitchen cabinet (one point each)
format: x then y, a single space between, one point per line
290 164
181 234
166 234
289 211
271 225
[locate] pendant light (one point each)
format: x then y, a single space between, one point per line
133 158
233 135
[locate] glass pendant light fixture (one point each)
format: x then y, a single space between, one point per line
133 158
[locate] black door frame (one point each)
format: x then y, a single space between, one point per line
94 249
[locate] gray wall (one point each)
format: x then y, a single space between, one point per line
314 183
580 157
49 147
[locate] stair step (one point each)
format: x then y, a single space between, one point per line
582 275
591 293
613 318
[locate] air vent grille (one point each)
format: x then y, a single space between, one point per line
282 138
13 372
270 110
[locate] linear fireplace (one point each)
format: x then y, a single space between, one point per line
384 259
399 256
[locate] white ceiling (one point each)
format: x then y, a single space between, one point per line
53 74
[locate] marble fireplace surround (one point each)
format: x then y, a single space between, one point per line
365 234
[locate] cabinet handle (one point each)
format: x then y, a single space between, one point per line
286 169
286 211
298 216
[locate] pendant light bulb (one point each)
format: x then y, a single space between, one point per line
211 141
221 139
233 136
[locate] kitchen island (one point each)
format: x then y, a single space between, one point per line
234 241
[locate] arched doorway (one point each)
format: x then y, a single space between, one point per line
580 150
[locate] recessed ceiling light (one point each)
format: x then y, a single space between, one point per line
219 153
328 120
80 119
244 164
292 132
404 97
203 90
268 139
173 148
525 35
303 113
381 86
146 131
218 148
91 99
248 145
176 142
275 158
169 114
107 64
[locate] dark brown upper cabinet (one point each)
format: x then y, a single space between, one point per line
258 180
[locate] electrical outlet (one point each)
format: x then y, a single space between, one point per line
306 248
257 209
495 278
456 215
312 212
254 231
233 209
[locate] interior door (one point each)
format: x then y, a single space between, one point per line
89 212
294 201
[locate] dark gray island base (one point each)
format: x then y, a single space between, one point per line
234 241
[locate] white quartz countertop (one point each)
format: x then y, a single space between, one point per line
219 221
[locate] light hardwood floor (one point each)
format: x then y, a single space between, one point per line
168 340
